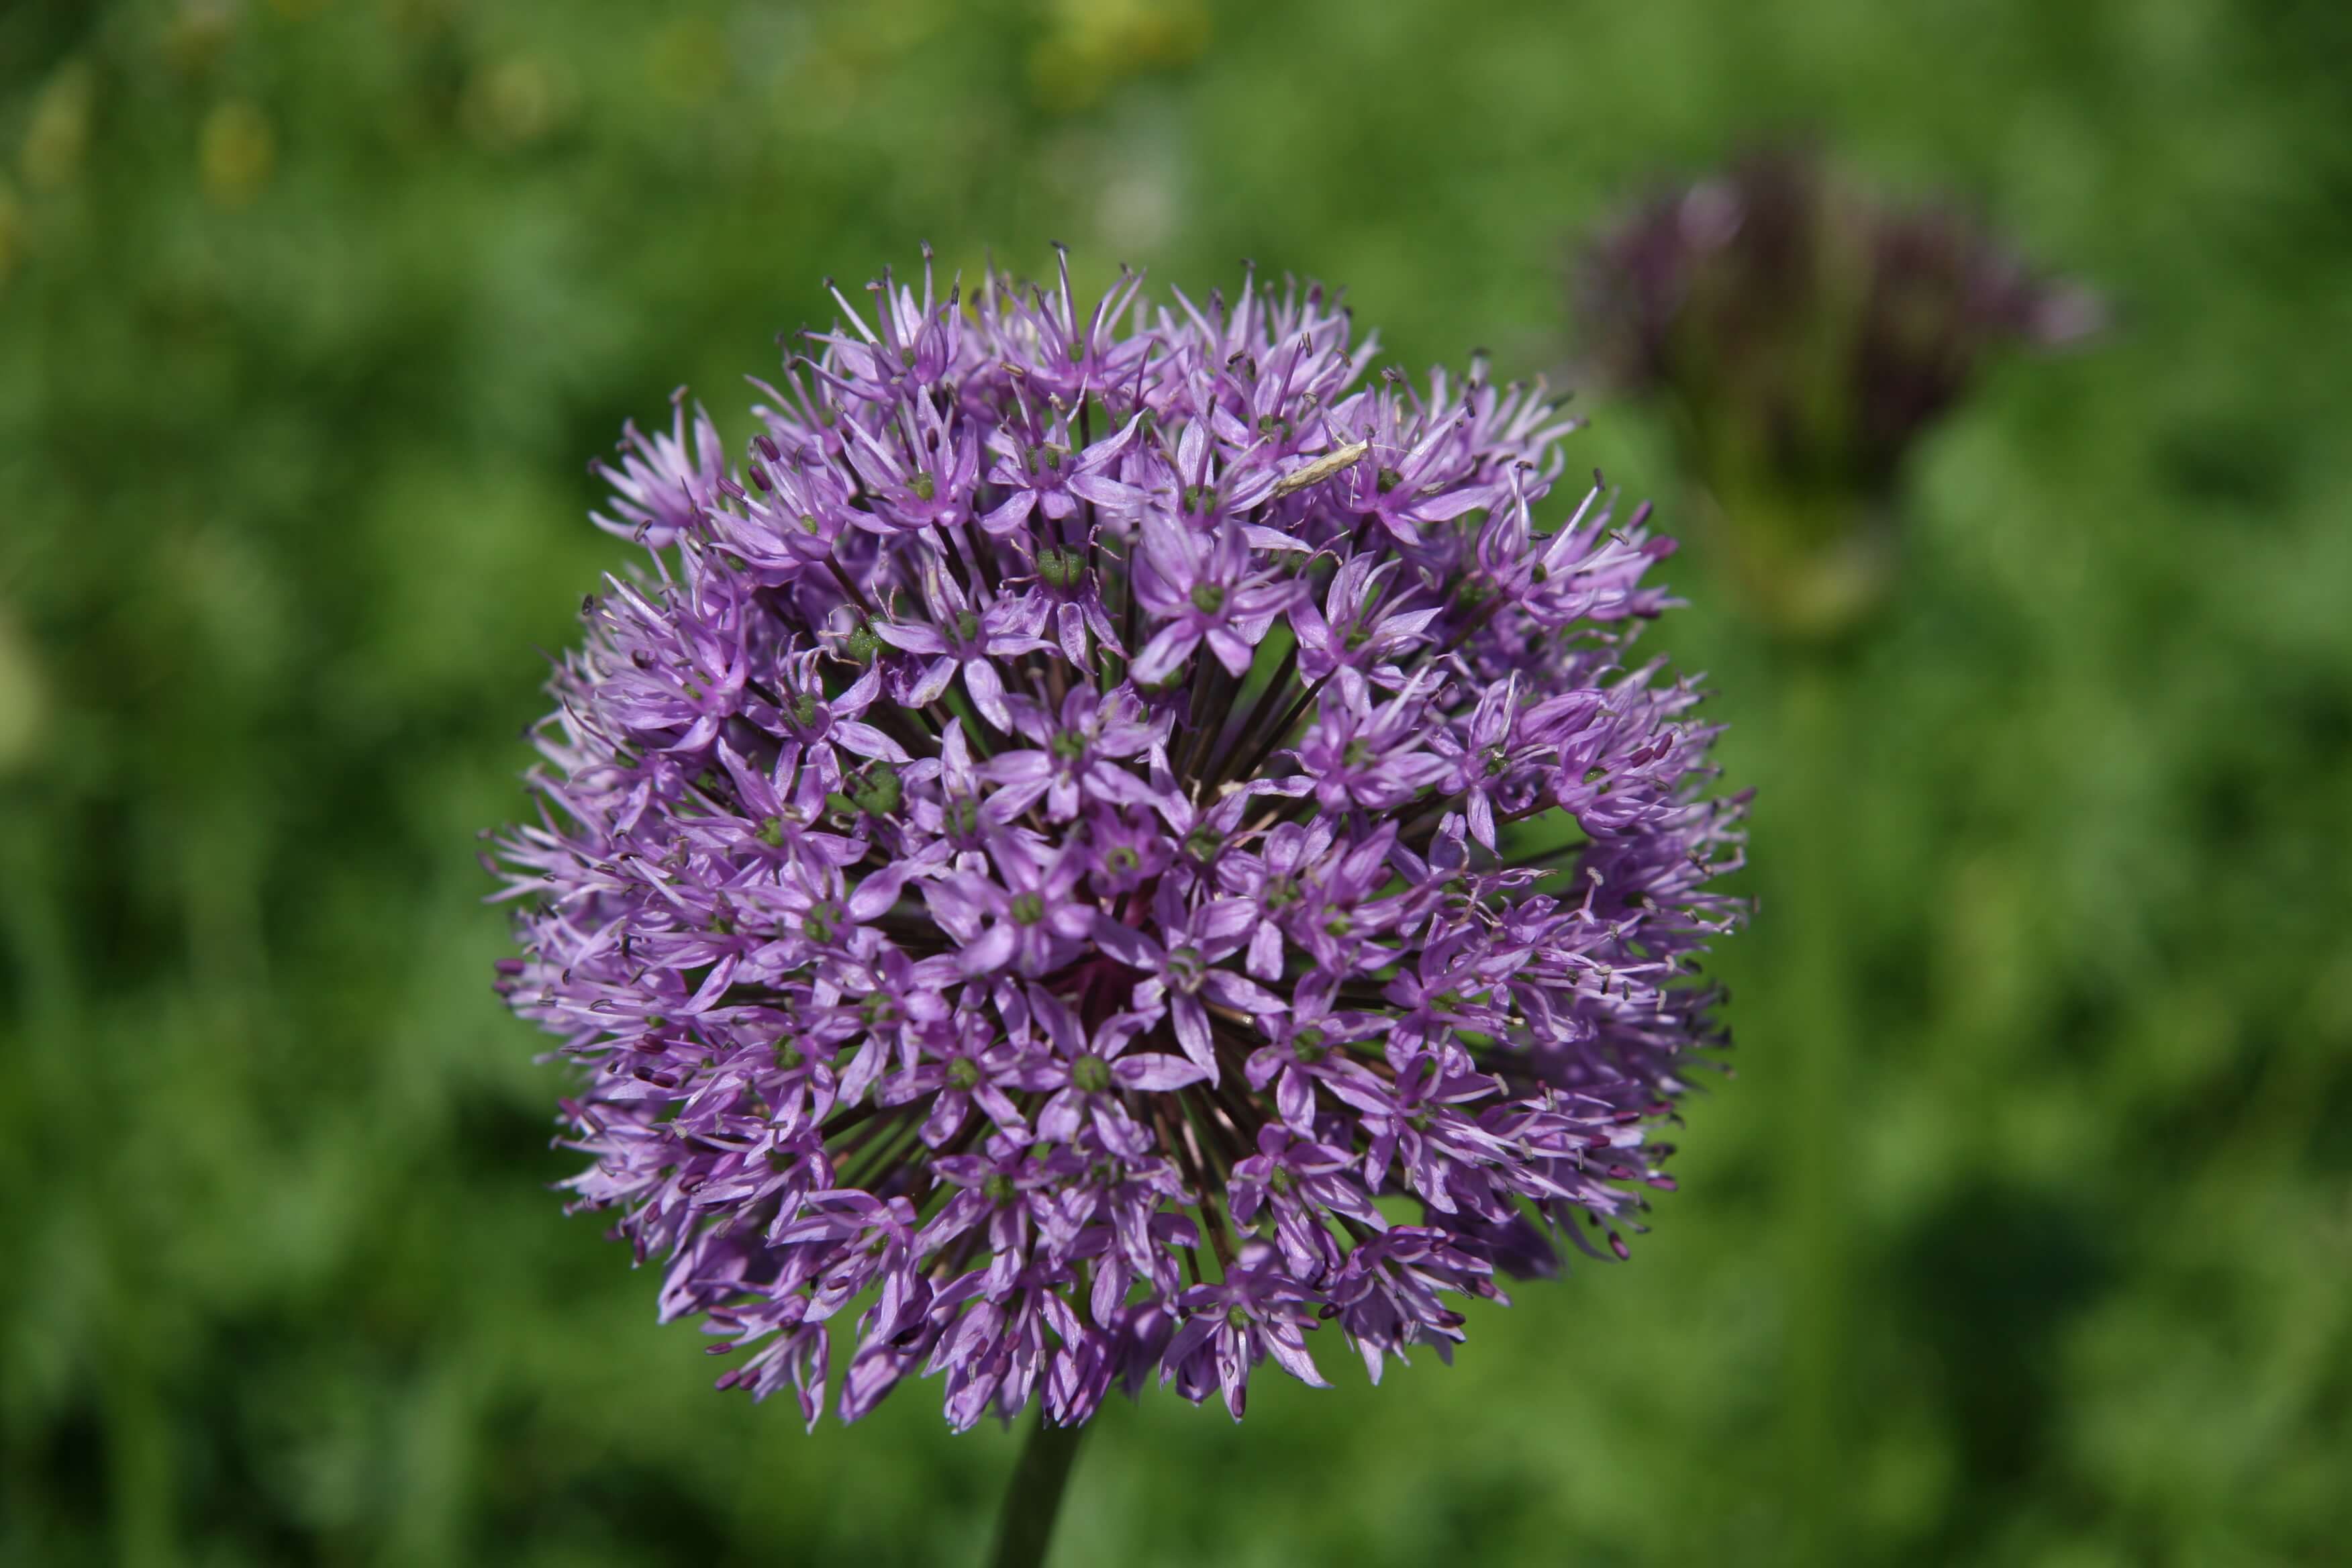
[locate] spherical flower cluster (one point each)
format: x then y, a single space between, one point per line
1029 864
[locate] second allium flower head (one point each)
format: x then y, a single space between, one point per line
1029 857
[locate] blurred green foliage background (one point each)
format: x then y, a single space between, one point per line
311 312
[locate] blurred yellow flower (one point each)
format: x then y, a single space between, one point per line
687 59
22 703
198 32
12 231
57 133
236 153
1090 44
513 102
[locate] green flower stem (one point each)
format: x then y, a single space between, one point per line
1034 1499
1814 1046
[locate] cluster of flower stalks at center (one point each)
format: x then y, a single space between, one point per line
1116 840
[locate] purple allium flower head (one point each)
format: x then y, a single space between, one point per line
1112 845
1806 334
1832 327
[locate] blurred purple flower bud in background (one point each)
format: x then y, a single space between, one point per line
1806 334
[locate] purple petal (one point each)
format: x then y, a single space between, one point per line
1232 651
877 894
911 637
992 951
934 682
1124 943
1482 818
1156 1071
1018 767
1191 1022
1003 520
1070 621
866 741
1224 985
1059 1119
1224 918
980 679
948 1114
1164 654
1288 1348
1294 1097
